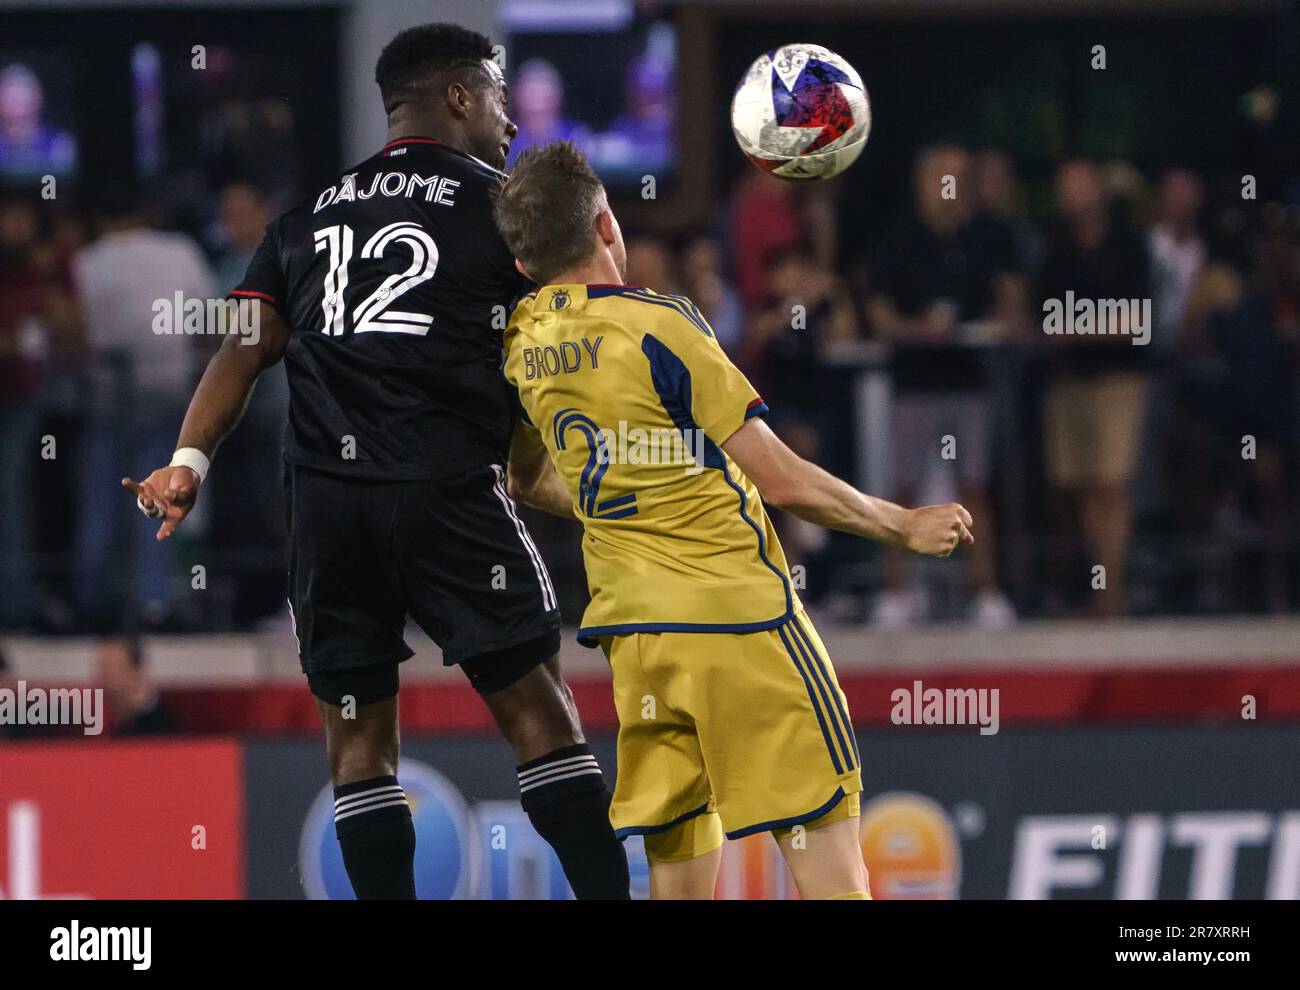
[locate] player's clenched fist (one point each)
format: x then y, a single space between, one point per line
938 529
167 494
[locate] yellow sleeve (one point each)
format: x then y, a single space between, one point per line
697 381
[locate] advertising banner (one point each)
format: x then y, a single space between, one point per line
1208 812
131 820
1205 812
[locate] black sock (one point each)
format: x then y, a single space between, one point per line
567 801
373 823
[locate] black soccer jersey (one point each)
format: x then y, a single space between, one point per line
395 285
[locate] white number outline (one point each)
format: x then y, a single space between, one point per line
371 314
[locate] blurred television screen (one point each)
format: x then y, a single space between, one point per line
601 74
233 121
37 134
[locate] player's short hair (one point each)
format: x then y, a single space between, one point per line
421 57
547 209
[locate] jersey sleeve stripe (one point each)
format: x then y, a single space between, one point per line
672 383
678 304
250 292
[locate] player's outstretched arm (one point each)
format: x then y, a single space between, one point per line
215 410
531 477
787 481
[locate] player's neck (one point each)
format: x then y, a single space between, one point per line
600 270
589 276
406 122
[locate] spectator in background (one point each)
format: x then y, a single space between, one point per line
23 346
1177 251
811 314
999 199
252 452
705 283
12 732
30 147
141 384
1241 335
60 405
242 214
650 262
642 136
764 221
134 706
537 102
935 272
1097 386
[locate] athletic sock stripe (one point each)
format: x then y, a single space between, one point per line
347 799
555 774
593 771
367 791
845 749
539 566
392 803
525 775
821 668
812 696
368 803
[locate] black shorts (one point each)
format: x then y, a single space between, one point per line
453 555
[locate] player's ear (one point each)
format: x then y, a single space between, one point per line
519 267
607 227
459 99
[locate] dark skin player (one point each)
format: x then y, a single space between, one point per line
465 110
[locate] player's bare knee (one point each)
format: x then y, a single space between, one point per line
537 713
361 743
360 758
535 727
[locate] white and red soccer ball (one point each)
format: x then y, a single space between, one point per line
801 112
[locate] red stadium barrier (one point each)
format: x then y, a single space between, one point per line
1081 697
122 820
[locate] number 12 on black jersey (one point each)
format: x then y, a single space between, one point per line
372 314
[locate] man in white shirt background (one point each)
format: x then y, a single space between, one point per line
141 379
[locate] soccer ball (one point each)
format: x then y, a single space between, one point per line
801 112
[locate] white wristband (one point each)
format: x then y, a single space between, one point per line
194 459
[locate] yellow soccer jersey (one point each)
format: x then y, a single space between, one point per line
633 397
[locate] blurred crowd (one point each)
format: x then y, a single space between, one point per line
131 703
1109 382
1144 463
92 389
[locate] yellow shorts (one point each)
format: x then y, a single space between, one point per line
752 727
